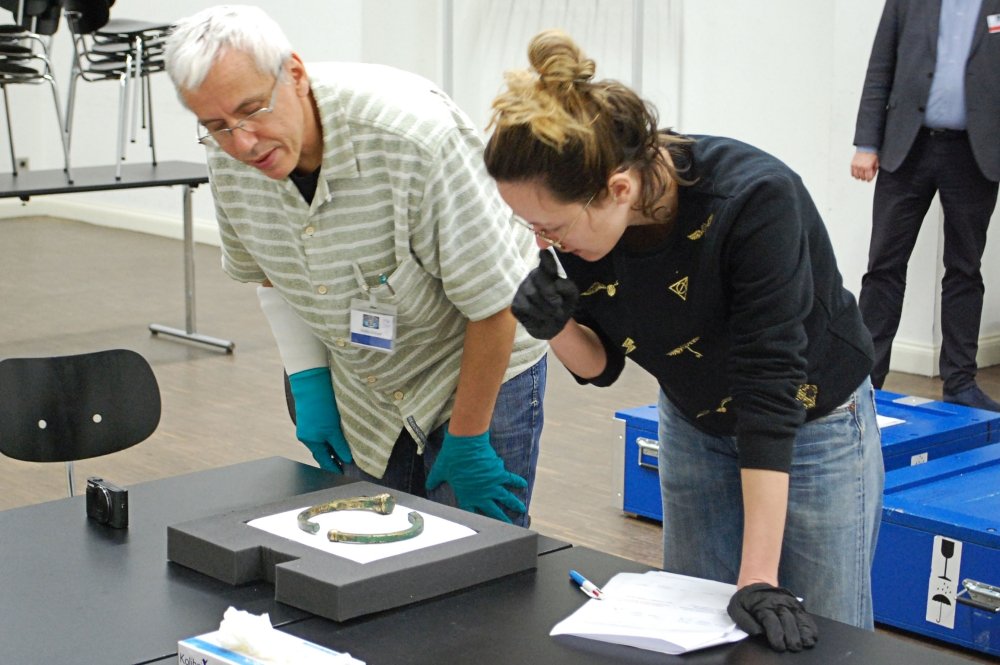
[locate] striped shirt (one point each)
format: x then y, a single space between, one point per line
405 205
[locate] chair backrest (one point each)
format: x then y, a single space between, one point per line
44 16
39 16
86 16
68 408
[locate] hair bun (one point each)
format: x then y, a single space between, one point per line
558 60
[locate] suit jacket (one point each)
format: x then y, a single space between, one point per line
898 84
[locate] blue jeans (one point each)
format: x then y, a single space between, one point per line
834 507
515 431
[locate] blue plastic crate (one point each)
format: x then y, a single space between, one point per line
941 527
641 481
930 430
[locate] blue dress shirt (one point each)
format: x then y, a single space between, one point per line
946 104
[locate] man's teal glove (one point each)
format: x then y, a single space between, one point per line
477 475
317 420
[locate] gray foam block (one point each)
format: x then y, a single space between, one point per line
226 548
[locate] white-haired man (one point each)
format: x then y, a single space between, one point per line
387 261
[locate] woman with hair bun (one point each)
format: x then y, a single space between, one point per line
705 261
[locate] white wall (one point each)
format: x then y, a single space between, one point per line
785 75
318 29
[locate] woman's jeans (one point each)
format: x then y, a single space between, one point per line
834 506
515 431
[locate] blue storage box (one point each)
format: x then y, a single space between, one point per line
930 430
937 566
641 480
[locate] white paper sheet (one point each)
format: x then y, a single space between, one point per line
657 611
887 421
436 530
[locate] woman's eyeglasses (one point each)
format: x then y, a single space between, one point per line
553 242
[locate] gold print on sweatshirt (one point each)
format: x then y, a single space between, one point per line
628 345
597 286
807 395
680 287
719 409
698 233
686 347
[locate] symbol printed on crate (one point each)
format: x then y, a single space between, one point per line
942 585
947 551
942 601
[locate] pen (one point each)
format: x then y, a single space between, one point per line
586 585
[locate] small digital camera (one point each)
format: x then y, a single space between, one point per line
107 503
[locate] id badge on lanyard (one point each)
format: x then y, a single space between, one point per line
373 324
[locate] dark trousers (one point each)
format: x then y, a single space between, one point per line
939 162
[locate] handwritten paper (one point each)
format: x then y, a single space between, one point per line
657 611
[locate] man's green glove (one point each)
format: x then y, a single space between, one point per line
317 420
477 475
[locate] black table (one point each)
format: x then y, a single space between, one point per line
508 621
133 176
72 591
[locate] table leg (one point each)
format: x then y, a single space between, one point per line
189 332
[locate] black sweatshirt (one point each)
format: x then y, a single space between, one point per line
740 313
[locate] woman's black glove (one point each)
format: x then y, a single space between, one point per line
776 612
544 302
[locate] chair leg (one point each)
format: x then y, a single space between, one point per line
147 99
149 107
70 105
10 131
123 114
62 132
137 47
69 477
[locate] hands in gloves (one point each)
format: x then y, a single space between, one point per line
776 612
317 420
477 475
544 301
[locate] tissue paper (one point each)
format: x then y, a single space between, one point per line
249 639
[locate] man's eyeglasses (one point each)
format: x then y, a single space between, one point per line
557 243
251 123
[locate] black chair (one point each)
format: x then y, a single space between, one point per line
67 408
116 49
24 58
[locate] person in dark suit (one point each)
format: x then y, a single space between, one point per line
929 122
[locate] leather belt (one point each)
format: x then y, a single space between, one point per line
944 133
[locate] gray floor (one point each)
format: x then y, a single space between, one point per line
69 287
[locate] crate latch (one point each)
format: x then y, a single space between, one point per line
980 595
650 448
